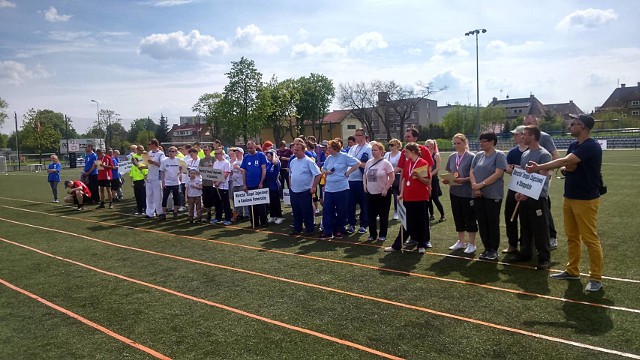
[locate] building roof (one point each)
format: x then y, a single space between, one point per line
621 95
564 108
535 107
336 116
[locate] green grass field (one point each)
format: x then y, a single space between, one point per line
200 291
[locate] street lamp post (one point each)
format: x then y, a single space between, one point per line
471 33
97 116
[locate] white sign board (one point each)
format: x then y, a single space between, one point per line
603 144
208 173
286 197
527 184
124 167
251 197
402 214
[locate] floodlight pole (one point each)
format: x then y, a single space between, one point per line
470 33
98 118
15 117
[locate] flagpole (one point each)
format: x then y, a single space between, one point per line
39 147
15 116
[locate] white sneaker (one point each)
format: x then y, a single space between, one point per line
429 244
422 251
395 216
182 209
553 243
470 249
458 245
279 221
271 220
390 249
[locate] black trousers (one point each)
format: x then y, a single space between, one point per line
258 212
221 202
464 215
512 226
378 206
171 189
93 187
535 228
140 192
488 216
552 227
416 218
275 207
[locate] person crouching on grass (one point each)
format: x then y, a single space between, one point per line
193 193
414 194
105 168
170 170
79 193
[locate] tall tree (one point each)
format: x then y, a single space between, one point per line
162 131
402 100
41 131
461 119
142 125
240 100
3 113
316 94
208 108
277 105
361 99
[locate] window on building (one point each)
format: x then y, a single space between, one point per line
351 127
635 102
635 113
414 114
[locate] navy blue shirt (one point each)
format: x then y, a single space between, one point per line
514 156
583 183
271 177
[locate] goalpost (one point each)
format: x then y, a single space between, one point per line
3 165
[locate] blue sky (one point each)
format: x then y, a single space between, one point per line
143 58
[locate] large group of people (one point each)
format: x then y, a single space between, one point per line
365 175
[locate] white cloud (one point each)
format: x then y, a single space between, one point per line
7 4
51 15
67 35
328 47
451 47
499 45
589 18
15 73
368 41
414 51
179 45
303 34
166 3
252 37
115 33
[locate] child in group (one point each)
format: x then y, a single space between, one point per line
54 176
193 192
272 182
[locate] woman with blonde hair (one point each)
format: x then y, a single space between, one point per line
461 195
377 181
393 156
53 171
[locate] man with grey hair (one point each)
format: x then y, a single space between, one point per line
546 141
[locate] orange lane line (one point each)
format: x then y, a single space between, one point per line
464 258
211 303
366 297
86 321
425 276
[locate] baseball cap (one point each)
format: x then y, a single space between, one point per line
587 120
518 130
